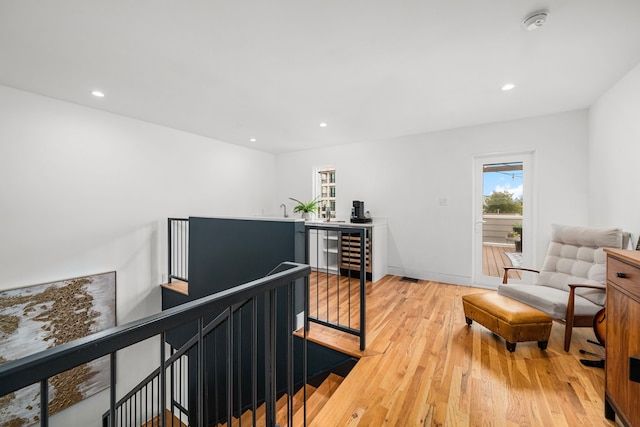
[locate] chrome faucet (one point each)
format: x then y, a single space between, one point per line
283 206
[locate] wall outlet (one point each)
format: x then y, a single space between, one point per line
443 201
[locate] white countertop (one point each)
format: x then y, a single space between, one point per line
334 222
339 223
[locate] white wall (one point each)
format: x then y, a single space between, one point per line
404 178
614 156
83 192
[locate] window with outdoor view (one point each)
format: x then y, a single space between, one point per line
326 186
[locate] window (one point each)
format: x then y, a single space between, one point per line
327 192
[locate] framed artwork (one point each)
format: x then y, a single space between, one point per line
638 244
38 317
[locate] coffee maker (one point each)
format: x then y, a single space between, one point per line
358 213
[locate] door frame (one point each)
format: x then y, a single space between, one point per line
529 223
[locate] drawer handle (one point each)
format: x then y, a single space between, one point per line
621 275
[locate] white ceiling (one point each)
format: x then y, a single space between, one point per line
274 69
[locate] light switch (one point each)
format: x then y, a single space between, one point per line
443 201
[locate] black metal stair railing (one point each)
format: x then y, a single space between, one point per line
144 401
199 400
333 302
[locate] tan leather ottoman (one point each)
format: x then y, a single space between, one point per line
507 318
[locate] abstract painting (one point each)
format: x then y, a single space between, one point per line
38 317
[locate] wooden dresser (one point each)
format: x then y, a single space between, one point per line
622 371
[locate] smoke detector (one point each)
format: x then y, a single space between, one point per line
535 21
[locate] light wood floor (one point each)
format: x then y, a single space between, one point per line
424 366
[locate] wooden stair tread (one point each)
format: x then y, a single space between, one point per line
316 398
261 412
298 401
336 340
317 401
247 416
171 420
281 409
178 286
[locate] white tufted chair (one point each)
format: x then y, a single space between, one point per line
571 285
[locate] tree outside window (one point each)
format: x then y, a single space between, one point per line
502 202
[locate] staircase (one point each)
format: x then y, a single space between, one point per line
316 399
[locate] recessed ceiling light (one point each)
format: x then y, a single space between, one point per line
97 94
253 140
508 86
323 125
